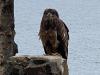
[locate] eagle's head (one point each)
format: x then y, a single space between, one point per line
50 17
51 12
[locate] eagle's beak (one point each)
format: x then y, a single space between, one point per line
49 15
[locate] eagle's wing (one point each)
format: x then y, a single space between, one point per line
63 37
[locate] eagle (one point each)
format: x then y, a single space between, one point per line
54 34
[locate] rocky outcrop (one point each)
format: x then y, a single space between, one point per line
40 65
7 45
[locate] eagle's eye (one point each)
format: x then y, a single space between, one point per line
45 13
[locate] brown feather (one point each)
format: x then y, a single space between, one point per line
54 34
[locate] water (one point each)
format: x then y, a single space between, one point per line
83 20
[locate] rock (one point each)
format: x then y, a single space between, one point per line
8 47
40 65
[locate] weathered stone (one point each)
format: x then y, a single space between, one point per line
7 45
40 65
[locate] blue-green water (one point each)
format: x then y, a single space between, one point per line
83 20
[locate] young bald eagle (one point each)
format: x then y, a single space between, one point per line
54 34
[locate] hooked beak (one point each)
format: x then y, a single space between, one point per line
49 15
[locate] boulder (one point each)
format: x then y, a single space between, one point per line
38 65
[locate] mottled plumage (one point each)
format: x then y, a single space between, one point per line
54 34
